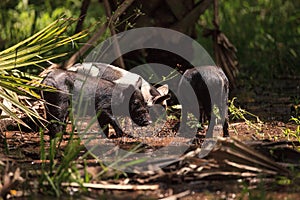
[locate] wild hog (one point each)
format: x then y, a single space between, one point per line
210 86
69 83
118 75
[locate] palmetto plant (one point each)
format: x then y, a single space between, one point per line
30 53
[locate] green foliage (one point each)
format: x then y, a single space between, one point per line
258 193
295 108
21 19
242 114
193 122
64 171
265 32
31 52
293 134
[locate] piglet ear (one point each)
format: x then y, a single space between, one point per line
163 90
161 99
138 83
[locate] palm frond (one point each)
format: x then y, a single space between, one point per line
32 52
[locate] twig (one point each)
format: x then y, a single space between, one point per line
97 35
120 10
113 186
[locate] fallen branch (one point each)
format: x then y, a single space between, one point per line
112 186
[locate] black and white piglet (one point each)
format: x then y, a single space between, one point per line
69 83
117 75
210 86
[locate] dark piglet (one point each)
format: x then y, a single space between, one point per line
105 93
211 88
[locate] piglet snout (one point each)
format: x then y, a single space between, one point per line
147 122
